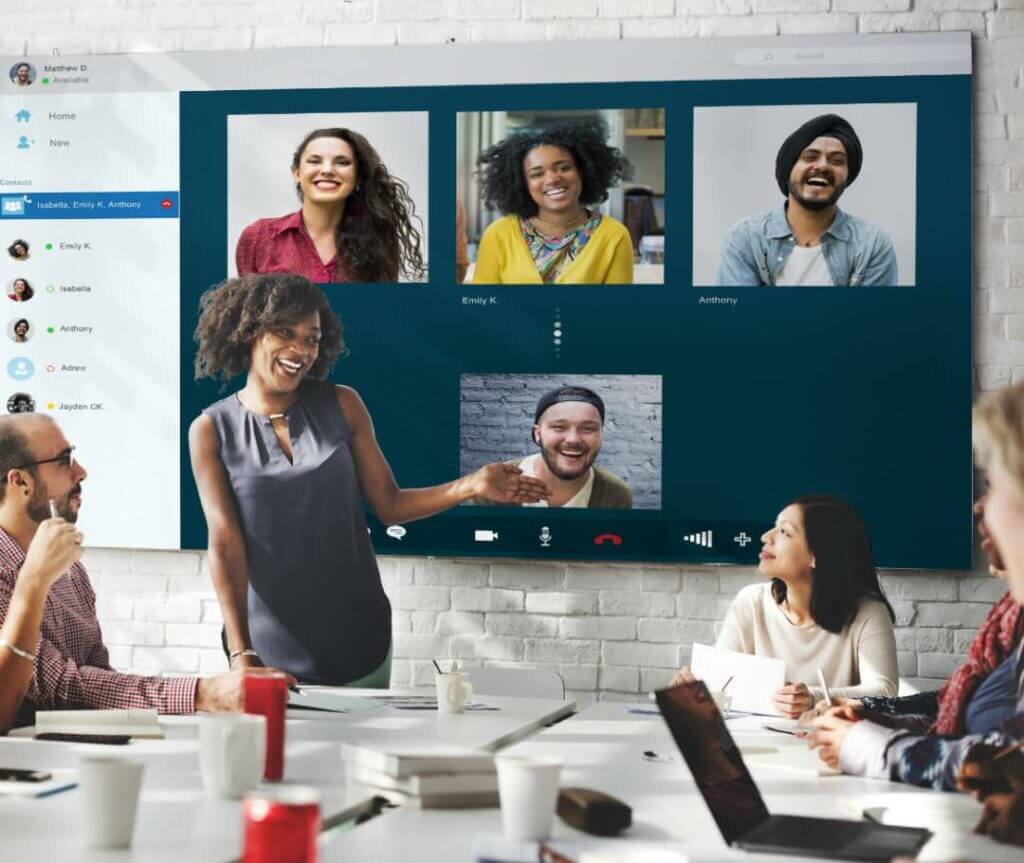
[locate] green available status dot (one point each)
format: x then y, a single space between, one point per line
49 329
46 80
49 247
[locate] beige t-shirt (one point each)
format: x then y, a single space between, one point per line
859 661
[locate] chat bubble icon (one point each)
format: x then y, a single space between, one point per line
396 531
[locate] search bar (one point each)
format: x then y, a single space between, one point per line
866 55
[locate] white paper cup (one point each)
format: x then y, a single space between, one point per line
232 748
528 788
453 691
723 701
108 797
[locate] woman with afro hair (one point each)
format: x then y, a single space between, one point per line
356 223
283 467
543 181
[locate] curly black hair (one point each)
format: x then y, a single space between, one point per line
376 234
600 165
12 249
235 312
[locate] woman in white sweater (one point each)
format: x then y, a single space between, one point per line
822 608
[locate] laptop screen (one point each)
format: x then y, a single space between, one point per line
713 758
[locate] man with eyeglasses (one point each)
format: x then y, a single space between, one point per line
52 652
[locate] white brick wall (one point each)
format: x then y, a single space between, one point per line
609 631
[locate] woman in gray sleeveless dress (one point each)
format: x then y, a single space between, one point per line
283 468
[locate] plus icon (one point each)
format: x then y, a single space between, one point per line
742 539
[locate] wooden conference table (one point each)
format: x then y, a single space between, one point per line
602 747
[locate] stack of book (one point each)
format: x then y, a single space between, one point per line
430 777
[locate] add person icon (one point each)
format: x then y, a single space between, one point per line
21 368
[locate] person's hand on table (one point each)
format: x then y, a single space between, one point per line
683 675
828 732
823 707
506 483
225 693
793 699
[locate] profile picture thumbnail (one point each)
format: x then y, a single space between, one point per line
19 250
805 195
19 290
332 197
22 74
561 197
20 330
20 403
594 440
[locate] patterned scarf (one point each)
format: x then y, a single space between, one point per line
997 638
551 255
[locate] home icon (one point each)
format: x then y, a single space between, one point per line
23 116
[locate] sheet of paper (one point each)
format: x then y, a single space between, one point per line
332 698
794 759
754 678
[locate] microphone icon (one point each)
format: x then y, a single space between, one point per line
545 537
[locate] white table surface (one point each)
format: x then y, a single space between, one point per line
602 748
177 823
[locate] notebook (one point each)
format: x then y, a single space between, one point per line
752 680
130 723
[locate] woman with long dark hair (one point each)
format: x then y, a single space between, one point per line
283 467
546 183
822 607
357 222
21 291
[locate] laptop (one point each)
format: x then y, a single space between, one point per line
736 805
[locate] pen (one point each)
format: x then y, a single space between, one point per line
293 688
53 509
1009 750
724 685
438 667
824 686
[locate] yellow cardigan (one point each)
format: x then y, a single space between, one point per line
504 258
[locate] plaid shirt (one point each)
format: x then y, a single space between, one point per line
73 669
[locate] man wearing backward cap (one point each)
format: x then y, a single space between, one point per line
809 240
568 426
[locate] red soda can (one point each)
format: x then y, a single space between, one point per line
281 825
266 693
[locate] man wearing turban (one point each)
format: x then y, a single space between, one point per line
808 240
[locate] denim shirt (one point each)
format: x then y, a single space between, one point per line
755 251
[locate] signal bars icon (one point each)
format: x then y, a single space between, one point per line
704 538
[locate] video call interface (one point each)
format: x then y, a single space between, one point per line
691 348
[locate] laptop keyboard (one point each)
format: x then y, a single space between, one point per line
824 834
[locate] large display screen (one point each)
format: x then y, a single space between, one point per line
685 358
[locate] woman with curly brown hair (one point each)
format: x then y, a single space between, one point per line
283 468
356 223
542 181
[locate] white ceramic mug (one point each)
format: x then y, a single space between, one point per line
232 748
108 797
528 788
453 691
